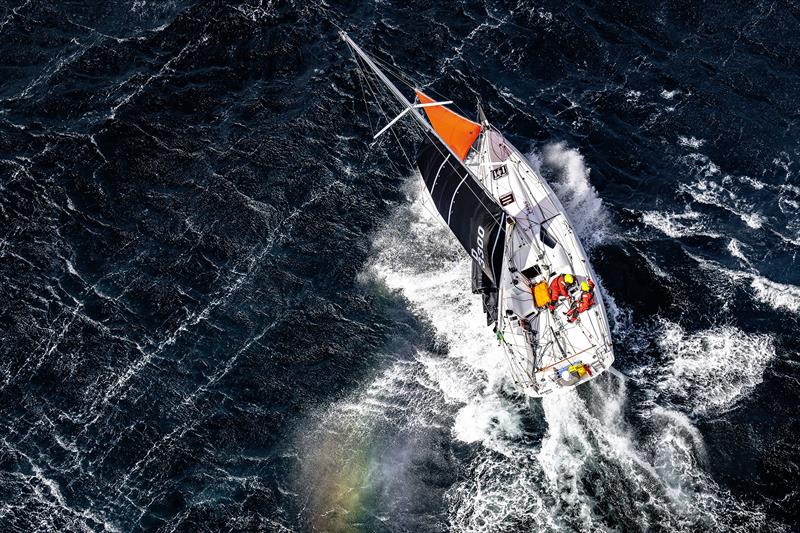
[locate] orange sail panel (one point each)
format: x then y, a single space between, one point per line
458 132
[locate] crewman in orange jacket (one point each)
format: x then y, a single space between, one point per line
559 288
585 301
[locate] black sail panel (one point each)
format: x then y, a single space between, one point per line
473 216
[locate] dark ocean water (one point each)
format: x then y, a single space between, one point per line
221 311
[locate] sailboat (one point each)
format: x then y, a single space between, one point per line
528 265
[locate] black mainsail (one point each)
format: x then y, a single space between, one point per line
473 216
546 351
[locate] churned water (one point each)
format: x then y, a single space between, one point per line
222 310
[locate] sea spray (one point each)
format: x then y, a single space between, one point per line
567 173
689 378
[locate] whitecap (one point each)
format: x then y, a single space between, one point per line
691 142
707 372
709 192
735 248
754 220
677 225
777 295
485 418
510 477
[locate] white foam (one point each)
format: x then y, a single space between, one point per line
565 450
709 192
416 255
71 269
708 371
591 439
754 183
705 166
511 477
633 96
497 493
754 220
485 418
677 225
691 142
777 295
568 174
735 248
793 207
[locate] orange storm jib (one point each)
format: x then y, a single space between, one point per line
458 132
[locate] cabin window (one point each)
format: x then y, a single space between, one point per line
532 271
546 238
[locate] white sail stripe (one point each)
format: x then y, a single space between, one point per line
437 174
453 199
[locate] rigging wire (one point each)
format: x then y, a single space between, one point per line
405 80
364 97
363 72
433 140
374 94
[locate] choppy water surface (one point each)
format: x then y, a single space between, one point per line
221 311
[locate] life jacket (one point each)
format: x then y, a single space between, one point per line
587 298
558 288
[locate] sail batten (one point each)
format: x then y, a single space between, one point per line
475 218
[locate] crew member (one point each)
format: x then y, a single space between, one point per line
585 301
559 288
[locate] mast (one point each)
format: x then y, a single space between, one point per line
482 116
474 217
410 108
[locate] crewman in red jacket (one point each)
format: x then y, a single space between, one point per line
559 288
585 301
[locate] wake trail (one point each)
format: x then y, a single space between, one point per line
572 461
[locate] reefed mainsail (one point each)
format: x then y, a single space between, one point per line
473 216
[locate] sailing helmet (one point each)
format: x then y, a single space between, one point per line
569 279
584 286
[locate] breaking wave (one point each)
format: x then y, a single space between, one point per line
709 192
757 204
565 170
778 296
677 225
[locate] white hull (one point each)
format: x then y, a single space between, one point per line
540 357
511 223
